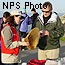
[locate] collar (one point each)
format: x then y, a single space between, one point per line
52 19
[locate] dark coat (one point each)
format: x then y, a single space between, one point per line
33 17
55 28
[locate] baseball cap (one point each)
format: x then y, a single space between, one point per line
15 12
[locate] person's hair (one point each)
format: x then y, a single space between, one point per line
6 14
33 9
47 4
11 20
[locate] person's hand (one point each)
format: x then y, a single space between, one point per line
44 33
24 43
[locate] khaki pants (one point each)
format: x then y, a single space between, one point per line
48 54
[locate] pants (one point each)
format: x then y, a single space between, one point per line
11 64
48 54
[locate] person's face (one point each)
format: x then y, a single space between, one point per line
4 19
17 19
47 11
33 12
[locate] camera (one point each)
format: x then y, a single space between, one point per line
40 33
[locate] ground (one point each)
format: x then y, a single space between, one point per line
27 55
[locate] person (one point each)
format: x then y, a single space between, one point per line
34 16
5 16
11 43
51 29
2 21
25 21
0 52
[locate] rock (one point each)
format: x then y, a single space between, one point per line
63 18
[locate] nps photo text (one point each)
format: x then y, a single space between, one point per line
10 5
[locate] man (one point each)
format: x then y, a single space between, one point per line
34 16
51 29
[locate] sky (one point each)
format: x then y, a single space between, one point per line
58 5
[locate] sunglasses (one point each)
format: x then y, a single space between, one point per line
19 17
46 11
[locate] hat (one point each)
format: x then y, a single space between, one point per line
32 38
15 12
33 9
23 10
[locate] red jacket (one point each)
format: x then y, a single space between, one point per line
15 38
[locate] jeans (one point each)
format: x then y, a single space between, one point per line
11 64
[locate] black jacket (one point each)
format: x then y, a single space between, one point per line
33 17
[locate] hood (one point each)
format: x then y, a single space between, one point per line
51 20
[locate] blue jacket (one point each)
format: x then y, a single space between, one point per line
24 23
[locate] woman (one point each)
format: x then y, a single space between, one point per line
11 41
